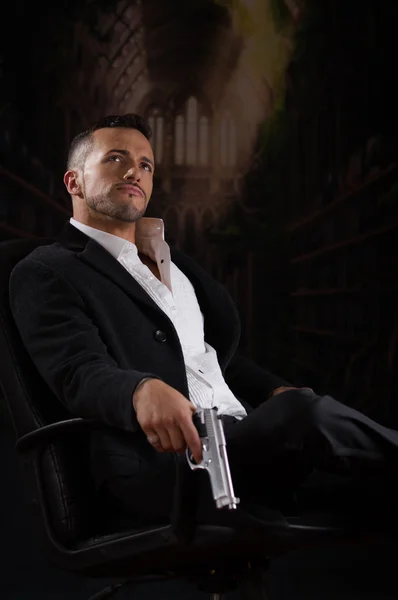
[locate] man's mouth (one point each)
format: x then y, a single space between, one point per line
132 189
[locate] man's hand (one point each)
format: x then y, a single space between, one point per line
165 416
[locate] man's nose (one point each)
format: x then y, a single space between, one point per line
133 173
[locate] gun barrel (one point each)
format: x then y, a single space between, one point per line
215 458
229 500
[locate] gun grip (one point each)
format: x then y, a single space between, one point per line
200 427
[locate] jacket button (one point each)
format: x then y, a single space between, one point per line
160 336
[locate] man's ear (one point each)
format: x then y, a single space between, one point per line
72 183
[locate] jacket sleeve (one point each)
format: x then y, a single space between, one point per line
250 382
66 347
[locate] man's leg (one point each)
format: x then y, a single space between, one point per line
292 433
147 497
147 493
271 451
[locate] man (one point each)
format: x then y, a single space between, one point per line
137 337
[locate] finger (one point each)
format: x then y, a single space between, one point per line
164 439
157 446
177 439
154 440
192 439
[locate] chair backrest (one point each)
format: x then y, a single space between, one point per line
30 401
63 470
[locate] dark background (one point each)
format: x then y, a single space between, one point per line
291 200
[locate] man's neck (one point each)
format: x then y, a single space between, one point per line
126 231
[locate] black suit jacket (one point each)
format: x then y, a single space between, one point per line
94 333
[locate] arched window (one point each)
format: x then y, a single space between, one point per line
203 141
179 140
151 123
228 142
192 136
192 131
156 123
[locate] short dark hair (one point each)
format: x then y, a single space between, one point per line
82 143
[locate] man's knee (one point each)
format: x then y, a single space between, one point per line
296 399
306 407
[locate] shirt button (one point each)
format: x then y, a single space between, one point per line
160 336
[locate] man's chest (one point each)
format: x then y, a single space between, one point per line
151 265
179 303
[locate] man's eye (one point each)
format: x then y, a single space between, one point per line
147 166
115 158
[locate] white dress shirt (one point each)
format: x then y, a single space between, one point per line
175 296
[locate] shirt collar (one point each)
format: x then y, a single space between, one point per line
112 243
149 234
149 238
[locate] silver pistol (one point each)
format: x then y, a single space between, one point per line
214 457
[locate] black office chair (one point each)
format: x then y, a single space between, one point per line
76 526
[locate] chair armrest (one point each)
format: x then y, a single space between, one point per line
51 433
186 492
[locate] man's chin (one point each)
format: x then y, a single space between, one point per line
129 218
121 214
129 213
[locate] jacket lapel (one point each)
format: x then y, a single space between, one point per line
93 254
222 325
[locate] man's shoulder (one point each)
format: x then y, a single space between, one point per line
53 256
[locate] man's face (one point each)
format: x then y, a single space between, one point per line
117 178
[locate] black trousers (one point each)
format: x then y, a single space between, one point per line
271 452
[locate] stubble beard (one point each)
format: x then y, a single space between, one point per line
121 212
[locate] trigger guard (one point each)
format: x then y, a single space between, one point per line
194 466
